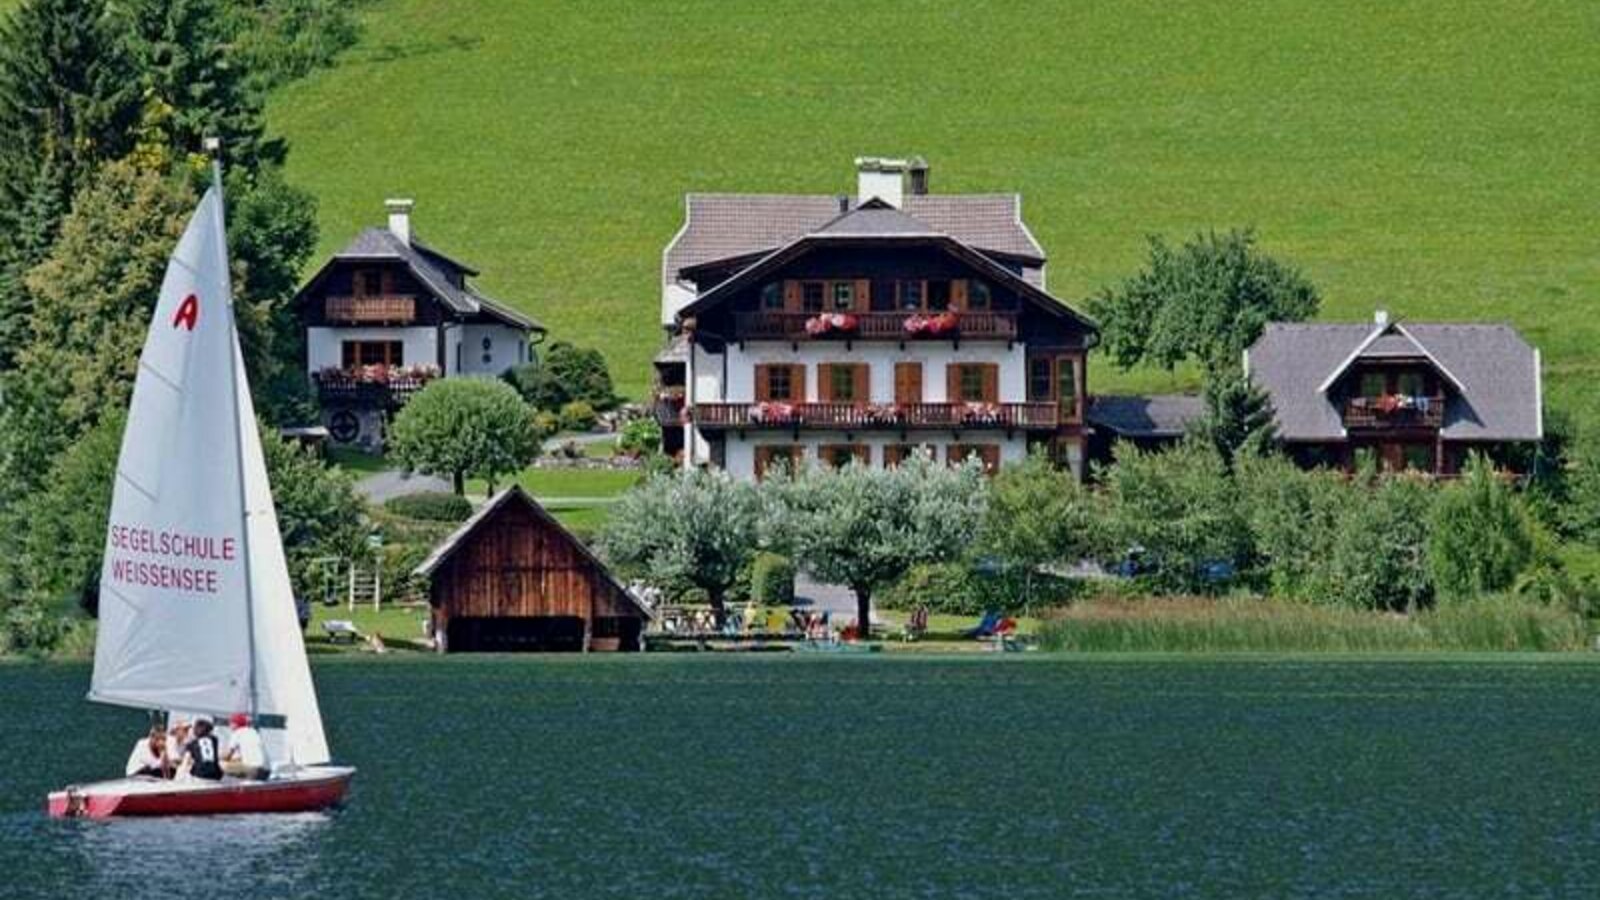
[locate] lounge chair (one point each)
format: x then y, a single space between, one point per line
986 625
341 629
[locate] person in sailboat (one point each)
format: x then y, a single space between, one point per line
203 757
245 756
178 739
149 757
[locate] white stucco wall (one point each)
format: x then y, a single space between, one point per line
324 346
501 353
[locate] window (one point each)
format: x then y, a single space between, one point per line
771 457
988 454
837 456
844 296
1374 384
372 353
842 382
1067 386
1417 457
882 297
772 296
969 384
911 296
811 296
1041 380
973 383
895 454
779 382
369 282
939 295
1410 384
978 294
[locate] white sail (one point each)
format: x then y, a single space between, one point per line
196 612
283 675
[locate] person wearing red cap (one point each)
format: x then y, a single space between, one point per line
245 756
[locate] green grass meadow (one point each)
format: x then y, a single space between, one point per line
1436 159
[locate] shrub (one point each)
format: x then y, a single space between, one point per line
431 506
942 587
546 421
1379 556
30 629
578 415
1291 514
772 580
640 437
1482 537
1179 507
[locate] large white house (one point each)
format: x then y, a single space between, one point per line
387 314
822 328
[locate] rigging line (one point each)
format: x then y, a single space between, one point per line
160 376
137 486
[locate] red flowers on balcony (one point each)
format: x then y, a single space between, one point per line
932 326
980 414
377 374
774 413
832 323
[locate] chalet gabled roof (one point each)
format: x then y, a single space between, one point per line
727 226
885 225
440 273
516 495
1496 374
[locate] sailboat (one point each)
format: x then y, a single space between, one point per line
196 609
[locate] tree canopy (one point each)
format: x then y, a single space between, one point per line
456 427
1205 301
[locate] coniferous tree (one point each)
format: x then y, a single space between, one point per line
1238 418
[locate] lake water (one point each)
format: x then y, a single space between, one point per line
762 776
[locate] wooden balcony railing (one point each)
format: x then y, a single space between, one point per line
392 308
1027 416
875 326
1394 412
353 389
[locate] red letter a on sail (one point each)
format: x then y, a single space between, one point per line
188 313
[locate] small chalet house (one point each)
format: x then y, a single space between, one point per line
388 313
823 328
1416 396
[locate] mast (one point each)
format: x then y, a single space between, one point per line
214 147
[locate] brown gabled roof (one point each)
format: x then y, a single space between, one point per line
728 226
515 494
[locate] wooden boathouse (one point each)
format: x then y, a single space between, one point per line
511 578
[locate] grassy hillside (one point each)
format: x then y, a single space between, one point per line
1440 162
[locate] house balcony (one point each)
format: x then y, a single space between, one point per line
875 326
385 310
377 387
1394 411
667 408
863 416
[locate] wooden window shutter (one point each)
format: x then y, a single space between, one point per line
797 382
862 454
763 389
952 383
958 294
861 382
991 382
825 382
908 382
791 295
763 460
863 292
990 454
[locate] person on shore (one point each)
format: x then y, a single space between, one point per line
149 757
245 756
203 757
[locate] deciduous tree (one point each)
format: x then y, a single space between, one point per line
457 427
687 528
1179 509
1205 301
1482 537
1039 514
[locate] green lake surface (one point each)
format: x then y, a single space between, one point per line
775 776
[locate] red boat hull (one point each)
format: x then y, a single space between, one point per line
303 793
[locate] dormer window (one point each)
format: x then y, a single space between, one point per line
369 282
911 296
811 296
938 295
1374 384
1411 384
844 296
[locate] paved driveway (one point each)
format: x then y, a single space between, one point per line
388 485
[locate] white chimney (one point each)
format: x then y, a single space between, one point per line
400 218
882 178
1380 317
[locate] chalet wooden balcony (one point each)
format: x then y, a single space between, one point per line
875 326
370 386
1393 411
394 308
668 409
861 416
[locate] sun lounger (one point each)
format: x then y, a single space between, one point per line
341 629
986 626
916 626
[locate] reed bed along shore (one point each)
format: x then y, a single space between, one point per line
1196 624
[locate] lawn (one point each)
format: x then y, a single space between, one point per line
598 484
1438 160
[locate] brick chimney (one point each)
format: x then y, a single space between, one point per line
400 218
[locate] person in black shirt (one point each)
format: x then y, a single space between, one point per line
204 755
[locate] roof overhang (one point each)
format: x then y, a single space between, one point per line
1379 331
